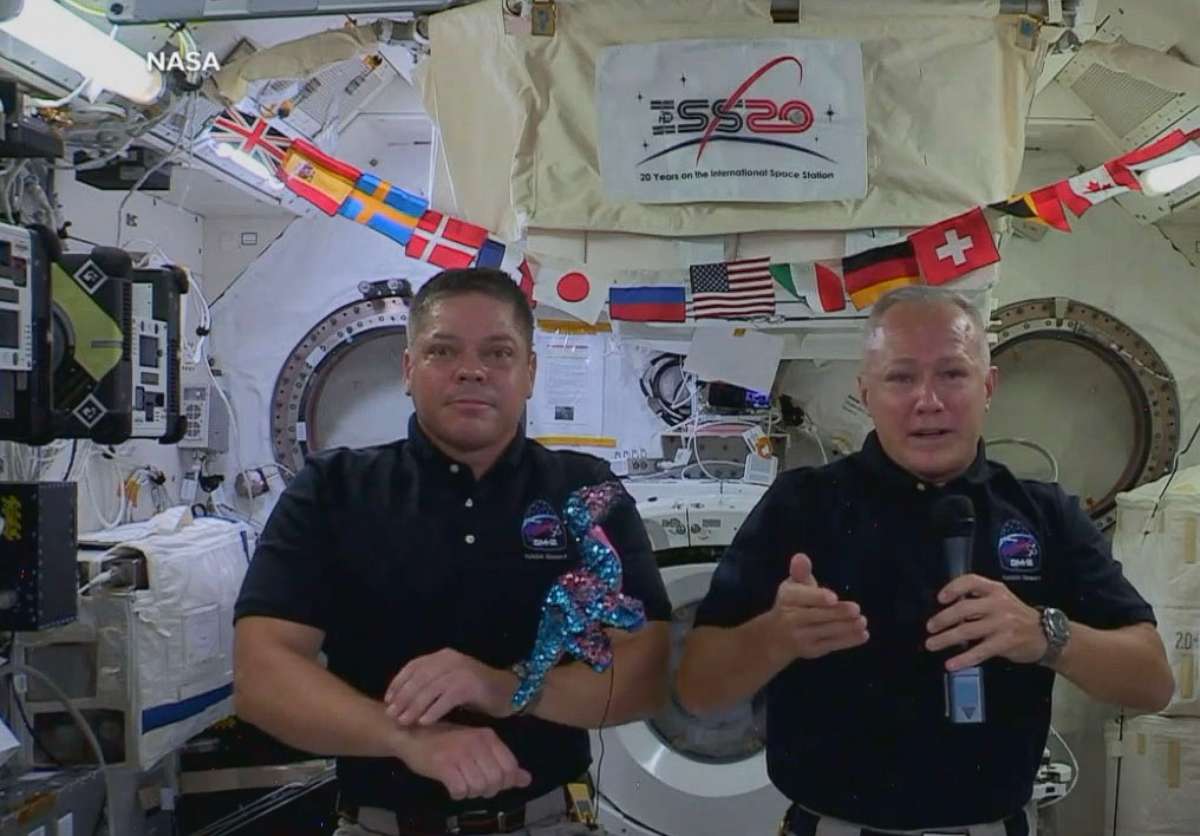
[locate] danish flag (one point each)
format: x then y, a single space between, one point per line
445 241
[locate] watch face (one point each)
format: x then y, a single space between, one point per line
1057 624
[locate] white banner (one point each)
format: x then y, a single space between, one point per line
796 131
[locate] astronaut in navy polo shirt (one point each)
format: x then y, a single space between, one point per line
902 696
419 568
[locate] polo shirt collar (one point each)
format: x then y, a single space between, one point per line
427 452
874 459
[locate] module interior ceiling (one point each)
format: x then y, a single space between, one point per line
1062 122
1088 109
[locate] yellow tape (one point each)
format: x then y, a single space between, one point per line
571 326
1174 755
576 440
1187 676
1141 744
1189 540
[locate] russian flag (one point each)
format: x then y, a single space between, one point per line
662 303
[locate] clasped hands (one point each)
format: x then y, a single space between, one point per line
469 761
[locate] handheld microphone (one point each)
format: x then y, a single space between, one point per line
954 523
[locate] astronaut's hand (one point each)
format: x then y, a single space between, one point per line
468 762
430 687
987 616
811 622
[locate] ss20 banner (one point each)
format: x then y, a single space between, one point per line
781 120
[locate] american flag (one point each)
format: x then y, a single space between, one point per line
732 289
257 138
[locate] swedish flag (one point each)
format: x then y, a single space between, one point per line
403 202
382 217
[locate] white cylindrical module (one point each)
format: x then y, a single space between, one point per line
1161 556
1160 553
1153 777
1180 631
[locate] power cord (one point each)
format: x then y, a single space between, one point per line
612 680
37 740
11 668
101 578
1120 762
71 460
670 407
1174 470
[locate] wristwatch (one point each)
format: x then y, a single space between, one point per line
1057 630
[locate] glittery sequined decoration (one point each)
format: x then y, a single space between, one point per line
584 600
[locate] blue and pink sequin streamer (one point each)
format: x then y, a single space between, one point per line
584 600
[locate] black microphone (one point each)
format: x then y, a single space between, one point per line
954 523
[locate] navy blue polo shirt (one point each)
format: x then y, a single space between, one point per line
862 734
396 551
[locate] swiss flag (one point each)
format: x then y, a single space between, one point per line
1083 191
954 247
445 241
575 290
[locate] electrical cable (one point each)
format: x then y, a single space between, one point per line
666 407
37 740
1032 445
1170 478
612 680
183 133
11 668
1074 770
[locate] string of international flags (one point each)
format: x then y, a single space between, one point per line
743 289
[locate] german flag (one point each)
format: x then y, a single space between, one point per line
1039 206
869 275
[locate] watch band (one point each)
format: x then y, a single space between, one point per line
1057 632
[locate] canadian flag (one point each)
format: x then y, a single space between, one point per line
445 241
952 248
1083 191
1174 147
577 290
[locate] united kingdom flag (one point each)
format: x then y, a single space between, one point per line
257 138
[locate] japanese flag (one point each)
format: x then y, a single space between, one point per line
578 290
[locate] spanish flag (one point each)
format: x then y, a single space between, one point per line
1039 206
322 180
869 275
